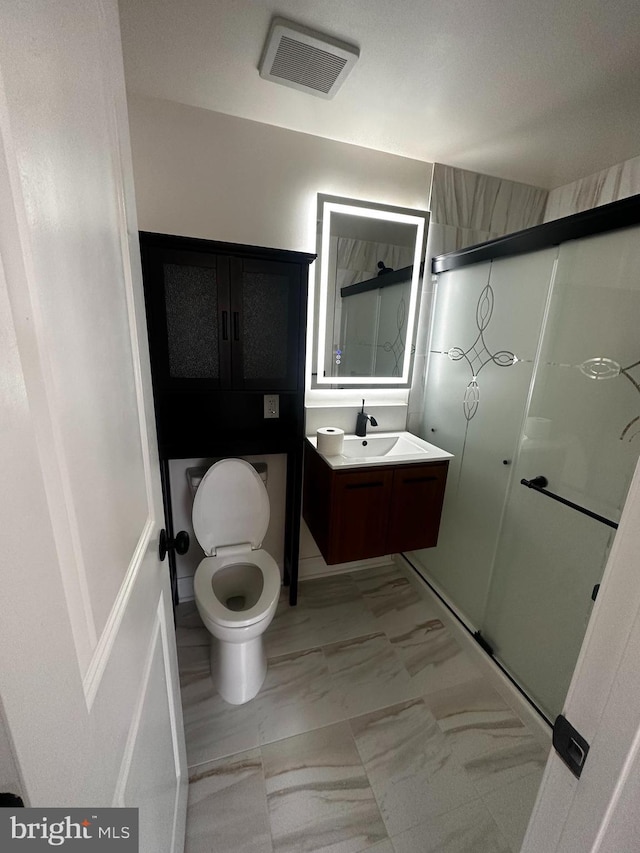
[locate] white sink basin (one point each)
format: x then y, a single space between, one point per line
383 448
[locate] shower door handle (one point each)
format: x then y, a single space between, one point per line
540 483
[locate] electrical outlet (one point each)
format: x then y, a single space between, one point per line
271 406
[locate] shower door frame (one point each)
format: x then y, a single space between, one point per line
606 218
598 220
595 813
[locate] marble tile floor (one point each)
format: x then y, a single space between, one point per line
374 732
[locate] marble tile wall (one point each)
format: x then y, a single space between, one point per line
617 182
482 203
373 732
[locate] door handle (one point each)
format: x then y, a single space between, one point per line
180 544
236 326
225 326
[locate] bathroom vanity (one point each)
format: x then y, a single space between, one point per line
382 495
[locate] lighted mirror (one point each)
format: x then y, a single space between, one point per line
369 276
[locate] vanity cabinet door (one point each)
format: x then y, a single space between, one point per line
416 505
359 514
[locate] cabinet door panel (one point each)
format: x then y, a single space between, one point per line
416 505
267 326
187 299
359 515
191 303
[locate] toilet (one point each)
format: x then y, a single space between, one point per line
237 585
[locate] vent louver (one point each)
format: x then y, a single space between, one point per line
306 60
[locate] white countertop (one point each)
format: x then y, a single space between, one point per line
383 448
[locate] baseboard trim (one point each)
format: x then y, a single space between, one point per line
315 567
185 589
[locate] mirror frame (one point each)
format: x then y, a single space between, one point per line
327 205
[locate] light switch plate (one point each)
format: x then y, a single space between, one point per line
272 405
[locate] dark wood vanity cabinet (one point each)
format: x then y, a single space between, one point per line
356 514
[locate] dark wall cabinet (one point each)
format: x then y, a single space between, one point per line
356 514
227 324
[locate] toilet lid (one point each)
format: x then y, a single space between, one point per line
231 506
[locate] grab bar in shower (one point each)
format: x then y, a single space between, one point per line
539 484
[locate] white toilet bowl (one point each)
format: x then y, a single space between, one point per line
237 585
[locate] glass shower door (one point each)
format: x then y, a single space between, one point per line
487 322
582 432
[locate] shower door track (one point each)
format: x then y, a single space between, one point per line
474 636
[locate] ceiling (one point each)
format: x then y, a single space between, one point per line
539 91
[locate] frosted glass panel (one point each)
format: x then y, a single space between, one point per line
265 303
191 301
582 433
548 561
486 330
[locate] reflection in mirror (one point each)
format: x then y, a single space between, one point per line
370 269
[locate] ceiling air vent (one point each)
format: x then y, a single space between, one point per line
306 60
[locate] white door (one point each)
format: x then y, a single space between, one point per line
600 811
88 673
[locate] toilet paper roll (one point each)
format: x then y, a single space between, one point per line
330 440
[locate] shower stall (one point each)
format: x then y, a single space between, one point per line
534 372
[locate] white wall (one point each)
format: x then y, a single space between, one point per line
203 174
9 775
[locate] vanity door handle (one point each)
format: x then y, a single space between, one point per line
225 326
236 326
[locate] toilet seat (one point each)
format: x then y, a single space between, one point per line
210 606
231 507
230 518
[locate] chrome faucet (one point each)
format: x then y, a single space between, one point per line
361 422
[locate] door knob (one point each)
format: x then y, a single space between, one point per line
180 544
